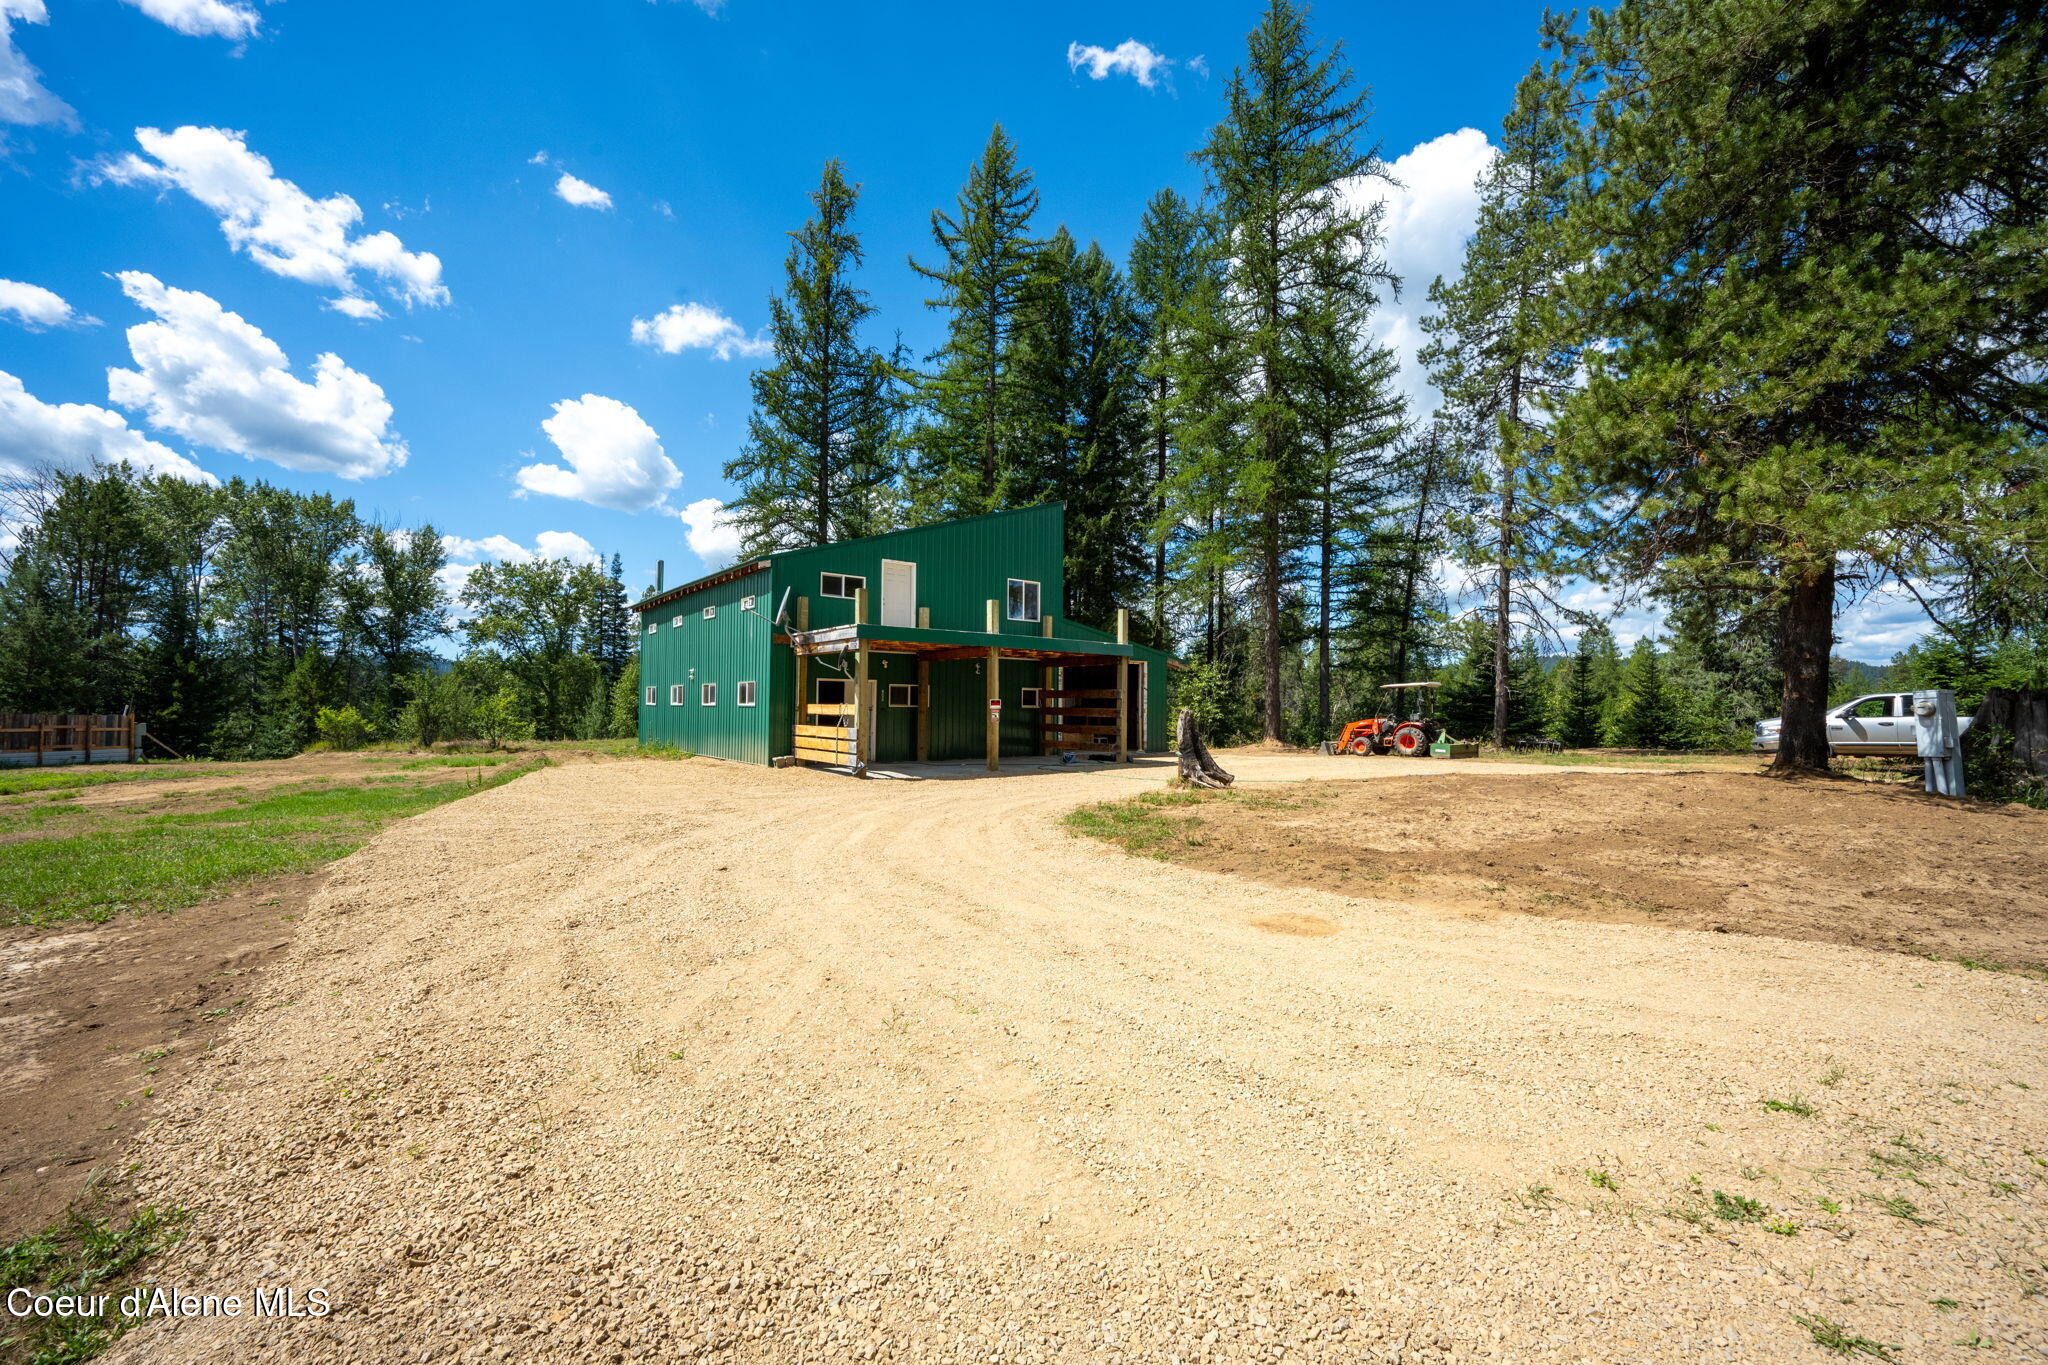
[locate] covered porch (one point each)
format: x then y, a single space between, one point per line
1081 697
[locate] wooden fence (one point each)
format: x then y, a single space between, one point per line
65 738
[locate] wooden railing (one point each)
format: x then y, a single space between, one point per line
44 735
1075 719
828 733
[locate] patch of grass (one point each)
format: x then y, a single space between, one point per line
1135 825
165 861
1830 1335
1902 1159
457 761
1976 1339
1900 1207
1795 1105
1736 1208
1601 1179
1833 1077
1536 1196
15 781
81 1254
1784 1227
1944 1305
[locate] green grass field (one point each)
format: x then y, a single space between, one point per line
62 861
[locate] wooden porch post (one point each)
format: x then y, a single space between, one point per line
995 693
860 606
924 618
1123 678
863 742
1045 625
1044 686
993 621
801 713
1123 625
924 706
803 613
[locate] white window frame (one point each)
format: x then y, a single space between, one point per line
653 695
1029 701
744 693
711 612
650 627
707 694
909 690
818 698
677 696
849 582
746 604
1037 595
677 623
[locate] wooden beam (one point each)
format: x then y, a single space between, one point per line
803 698
860 606
924 704
1044 689
1123 625
869 710
1123 675
803 613
994 736
924 618
1045 625
993 618
860 694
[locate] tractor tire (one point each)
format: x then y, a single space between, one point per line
1361 745
1411 741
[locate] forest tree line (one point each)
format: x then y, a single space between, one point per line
1754 318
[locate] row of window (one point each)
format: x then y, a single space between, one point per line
707 694
837 691
1022 595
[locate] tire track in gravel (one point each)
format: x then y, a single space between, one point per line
689 1060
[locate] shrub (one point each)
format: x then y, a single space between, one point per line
342 729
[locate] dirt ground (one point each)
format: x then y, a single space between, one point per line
686 1060
99 1021
1835 861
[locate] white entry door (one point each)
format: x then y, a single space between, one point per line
899 592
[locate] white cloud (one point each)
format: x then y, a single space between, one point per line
23 97
581 193
357 307
72 436
712 536
208 375
464 554
615 458
1128 58
202 18
695 326
1427 219
1879 624
35 307
281 227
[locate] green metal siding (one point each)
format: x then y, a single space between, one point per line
689 650
960 566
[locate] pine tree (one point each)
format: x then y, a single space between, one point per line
1497 368
1647 715
1278 168
1576 723
1812 302
968 462
1528 691
820 443
613 637
1169 259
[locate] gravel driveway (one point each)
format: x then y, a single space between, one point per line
688 1060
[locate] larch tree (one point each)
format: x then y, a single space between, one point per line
1498 369
1283 168
1813 303
821 440
968 462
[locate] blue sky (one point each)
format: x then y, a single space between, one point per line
181 283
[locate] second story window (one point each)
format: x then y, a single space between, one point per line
840 584
1023 600
710 613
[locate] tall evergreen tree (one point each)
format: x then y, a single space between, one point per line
613 635
1576 719
1813 302
968 461
1169 259
1646 716
1280 167
1497 367
820 442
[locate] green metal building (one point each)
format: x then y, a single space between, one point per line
935 643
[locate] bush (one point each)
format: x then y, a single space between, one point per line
496 719
343 729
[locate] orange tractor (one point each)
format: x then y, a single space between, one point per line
1385 735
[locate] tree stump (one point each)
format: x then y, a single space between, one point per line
1197 767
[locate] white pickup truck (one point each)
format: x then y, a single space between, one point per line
1882 723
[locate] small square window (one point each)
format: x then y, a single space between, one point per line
707 694
1023 600
840 584
651 695
902 694
745 695
1029 701
650 627
746 604
677 622
832 691
676 695
710 612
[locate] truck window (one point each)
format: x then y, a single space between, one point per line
1872 708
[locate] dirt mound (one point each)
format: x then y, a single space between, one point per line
1833 861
